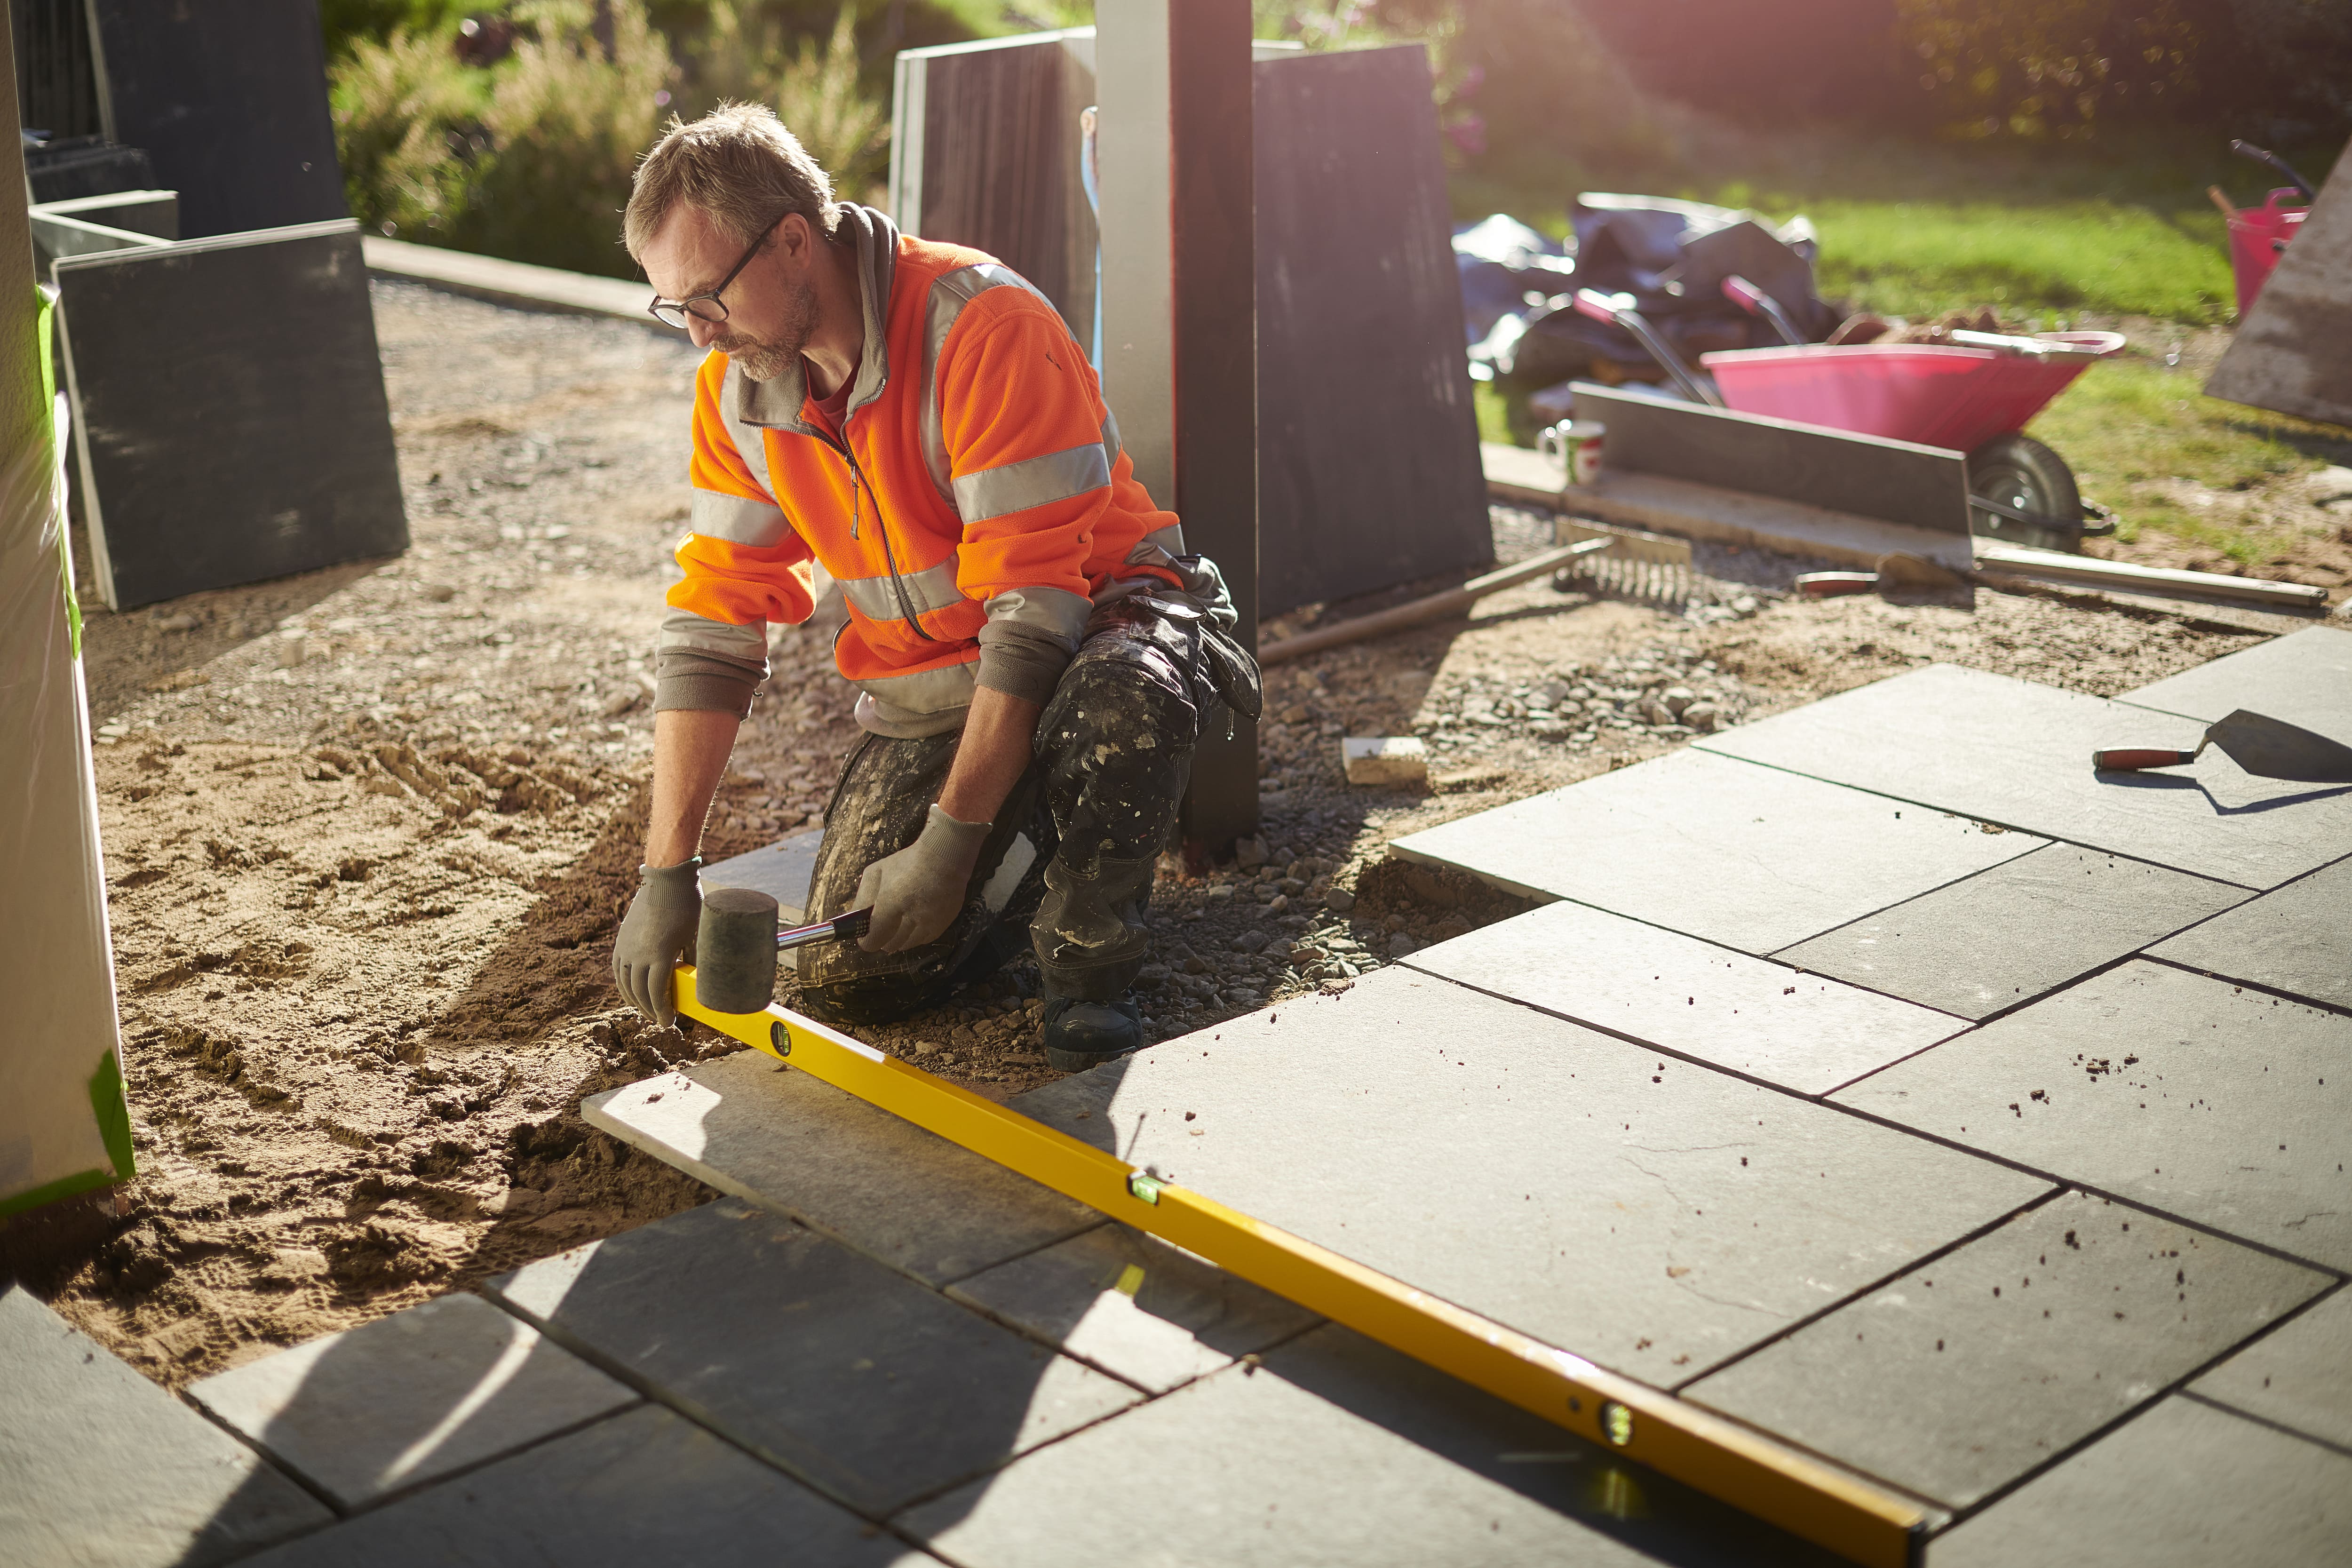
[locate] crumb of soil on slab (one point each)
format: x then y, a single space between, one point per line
369 831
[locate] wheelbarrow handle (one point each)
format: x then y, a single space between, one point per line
2130 759
2247 150
1757 302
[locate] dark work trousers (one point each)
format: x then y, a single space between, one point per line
1072 853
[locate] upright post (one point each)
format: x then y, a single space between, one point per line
1179 331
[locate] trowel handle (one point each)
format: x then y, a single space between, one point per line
2126 759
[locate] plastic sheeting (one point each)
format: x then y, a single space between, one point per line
64 1125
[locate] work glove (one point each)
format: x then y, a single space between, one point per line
655 934
917 893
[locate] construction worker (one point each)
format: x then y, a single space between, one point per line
1035 652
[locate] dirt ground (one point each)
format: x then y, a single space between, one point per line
368 833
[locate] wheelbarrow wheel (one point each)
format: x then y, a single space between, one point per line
2019 473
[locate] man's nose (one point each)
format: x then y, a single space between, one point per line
700 331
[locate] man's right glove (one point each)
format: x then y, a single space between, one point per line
655 934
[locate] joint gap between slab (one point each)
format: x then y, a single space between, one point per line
2313 1002
275 1463
416 1487
1101 1220
2055 1192
2276 1425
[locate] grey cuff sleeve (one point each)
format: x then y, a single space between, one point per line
1021 661
704 682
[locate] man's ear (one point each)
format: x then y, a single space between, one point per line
795 240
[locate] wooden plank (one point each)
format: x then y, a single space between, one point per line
1370 473
512 282
2129 578
229 99
229 409
1924 488
2292 354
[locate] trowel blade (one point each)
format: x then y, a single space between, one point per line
2276 749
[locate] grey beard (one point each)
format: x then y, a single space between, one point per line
765 359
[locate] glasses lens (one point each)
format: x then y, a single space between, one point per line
709 307
667 314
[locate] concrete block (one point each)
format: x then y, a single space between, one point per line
2183 1484
644 1487
782 871
1143 1310
2225 1107
1388 762
2012 752
1755 858
751 1127
1650 1215
98 1466
1970 1370
2005 935
385 1407
2298 1376
2305 677
1337 1453
1679 994
869 1387
2296 939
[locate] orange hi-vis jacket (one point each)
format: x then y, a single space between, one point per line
973 507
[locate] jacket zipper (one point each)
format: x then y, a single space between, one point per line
889 557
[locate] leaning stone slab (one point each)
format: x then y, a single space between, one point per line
1991 1361
98 1466
2183 1484
385 1407
2298 1376
642 1488
751 1127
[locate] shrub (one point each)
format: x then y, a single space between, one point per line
745 56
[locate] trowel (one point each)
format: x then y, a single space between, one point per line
2256 742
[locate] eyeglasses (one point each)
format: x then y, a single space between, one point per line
709 307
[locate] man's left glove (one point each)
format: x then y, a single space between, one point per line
917 893
655 933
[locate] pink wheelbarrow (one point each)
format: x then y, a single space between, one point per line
1973 397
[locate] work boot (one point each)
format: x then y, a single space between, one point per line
1080 1034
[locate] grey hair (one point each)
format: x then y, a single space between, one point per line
739 166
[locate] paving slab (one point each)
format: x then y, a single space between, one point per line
100 1466
1337 1454
782 871
2223 1105
2005 935
2298 1375
1692 997
433 1389
2305 679
754 1129
1992 1360
1755 858
867 1385
2185 1484
2296 939
1651 1216
1147 1312
2016 753
644 1487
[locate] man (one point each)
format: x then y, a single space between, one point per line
1036 654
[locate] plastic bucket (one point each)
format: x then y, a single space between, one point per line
2255 236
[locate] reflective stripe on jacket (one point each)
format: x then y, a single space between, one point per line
978 481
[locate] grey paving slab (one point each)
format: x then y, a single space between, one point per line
1689 996
399 1401
782 871
1337 1454
2014 752
2005 935
2184 1486
1650 1214
2299 1375
1140 1309
1755 858
644 1487
871 1387
2223 1105
2296 939
1990 1361
100 1467
751 1127
2303 678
